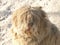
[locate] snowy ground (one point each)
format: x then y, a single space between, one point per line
51 7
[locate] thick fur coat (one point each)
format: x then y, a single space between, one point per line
31 26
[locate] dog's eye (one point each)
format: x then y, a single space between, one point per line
30 24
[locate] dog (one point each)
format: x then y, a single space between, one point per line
31 26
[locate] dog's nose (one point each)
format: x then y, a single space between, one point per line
28 30
28 27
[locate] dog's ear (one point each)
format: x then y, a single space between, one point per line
22 10
39 11
16 14
43 14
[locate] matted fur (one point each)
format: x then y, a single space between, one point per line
30 26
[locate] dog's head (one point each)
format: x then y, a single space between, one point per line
29 21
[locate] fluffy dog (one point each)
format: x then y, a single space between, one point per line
31 26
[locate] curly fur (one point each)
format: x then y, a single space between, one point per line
32 27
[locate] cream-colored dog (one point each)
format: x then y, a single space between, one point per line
30 26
